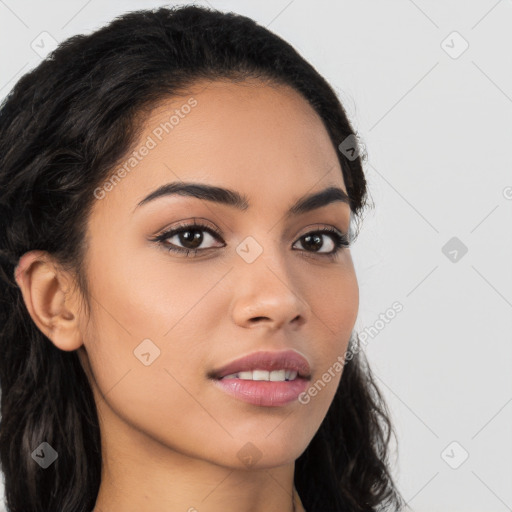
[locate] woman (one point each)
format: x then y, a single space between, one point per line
177 196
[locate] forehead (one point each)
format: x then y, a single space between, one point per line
262 140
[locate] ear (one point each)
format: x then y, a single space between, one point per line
46 292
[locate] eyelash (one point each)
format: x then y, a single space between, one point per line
339 238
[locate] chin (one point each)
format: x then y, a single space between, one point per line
263 451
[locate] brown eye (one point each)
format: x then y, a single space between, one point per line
188 238
314 241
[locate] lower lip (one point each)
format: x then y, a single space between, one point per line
262 392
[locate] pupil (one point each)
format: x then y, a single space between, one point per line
316 241
195 239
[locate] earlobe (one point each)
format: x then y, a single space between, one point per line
45 292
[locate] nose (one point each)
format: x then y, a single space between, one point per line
267 293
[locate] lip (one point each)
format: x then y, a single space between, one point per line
266 360
265 393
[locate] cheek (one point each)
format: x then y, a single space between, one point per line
146 344
335 304
143 296
334 301
147 327
151 403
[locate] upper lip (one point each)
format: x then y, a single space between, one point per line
265 360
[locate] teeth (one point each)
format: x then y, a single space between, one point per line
260 375
273 376
291 374
277 375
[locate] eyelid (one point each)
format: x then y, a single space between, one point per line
200 222
319 227
194 222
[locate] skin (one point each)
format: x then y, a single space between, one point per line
170 438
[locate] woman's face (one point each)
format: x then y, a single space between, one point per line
162 323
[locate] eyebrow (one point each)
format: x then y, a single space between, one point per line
239 201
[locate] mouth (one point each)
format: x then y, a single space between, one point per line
272 366
268 379
271 376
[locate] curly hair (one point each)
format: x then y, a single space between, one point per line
63 127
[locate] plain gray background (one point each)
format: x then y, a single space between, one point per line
428 87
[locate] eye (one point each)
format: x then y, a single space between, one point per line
191 238
314 240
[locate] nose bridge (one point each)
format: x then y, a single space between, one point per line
261 235
266 287
261 251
